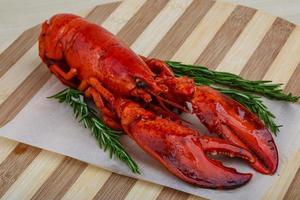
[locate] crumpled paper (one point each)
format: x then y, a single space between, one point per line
47 124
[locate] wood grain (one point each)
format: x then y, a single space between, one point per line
144 190
100 13
225 37
88 183
171 194
220 35
268 49
207 28
34 176
61 179
16 162
131 31
293 191
115 188
183 27
17 49
293 84
287 57
22 95
240 52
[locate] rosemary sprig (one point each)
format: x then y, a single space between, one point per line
107 138
209 77
244 90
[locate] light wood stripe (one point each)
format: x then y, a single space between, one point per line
242 49
15 163
293 85
61 179
122 14
144 190
293 191
88 183
22 95
159 26
171 194
18 72
207 28
192 197
6 147
100 13
34 176
268 49
115 188
281 185
16 50
183 27
226 36
144 16
287 60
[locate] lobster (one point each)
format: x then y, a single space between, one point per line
142 97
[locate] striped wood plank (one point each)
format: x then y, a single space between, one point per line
216 34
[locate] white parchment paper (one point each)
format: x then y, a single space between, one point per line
47 124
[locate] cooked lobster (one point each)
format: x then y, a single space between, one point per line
142 97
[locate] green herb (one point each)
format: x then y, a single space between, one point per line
107 138
244 90
208 77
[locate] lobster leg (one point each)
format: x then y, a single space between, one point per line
67 76
177 147
64 77
108 116
95 83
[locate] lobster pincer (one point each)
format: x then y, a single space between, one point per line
181 149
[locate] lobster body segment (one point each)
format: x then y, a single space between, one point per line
140 95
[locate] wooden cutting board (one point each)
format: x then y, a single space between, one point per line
218 35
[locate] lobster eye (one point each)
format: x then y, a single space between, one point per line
141 84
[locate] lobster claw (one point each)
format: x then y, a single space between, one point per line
180 149
235 123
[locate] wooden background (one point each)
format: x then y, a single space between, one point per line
218 35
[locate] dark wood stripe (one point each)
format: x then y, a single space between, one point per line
115 188
293 85
18 48
15 163
183 27
61 179
293 191
22 95
137 24
100 13
268 49
171 194
218 47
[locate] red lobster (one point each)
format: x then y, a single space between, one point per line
138 95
